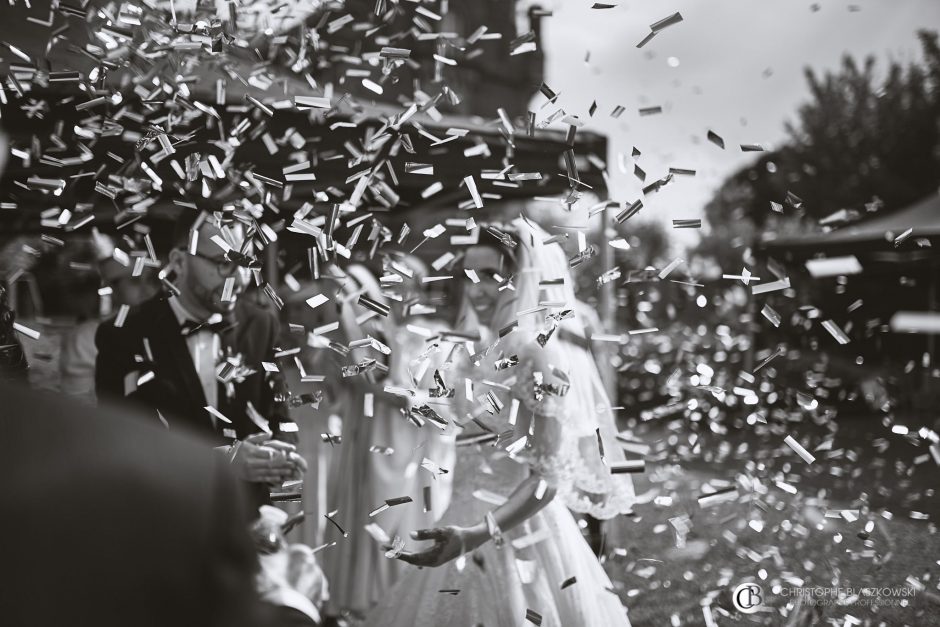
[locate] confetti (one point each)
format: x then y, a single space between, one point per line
377 307
217 414
903 237
30 333
773 286
833 266
799 450
629 212
675 263
628 466
724 495
835 331
666 22
768 312
716 139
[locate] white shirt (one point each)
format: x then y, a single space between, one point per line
205 348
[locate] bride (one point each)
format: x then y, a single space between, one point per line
535 422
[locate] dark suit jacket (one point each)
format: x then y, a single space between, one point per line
110 521
13 363
175 390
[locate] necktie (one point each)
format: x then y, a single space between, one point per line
189 327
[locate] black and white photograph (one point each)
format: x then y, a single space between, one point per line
469 313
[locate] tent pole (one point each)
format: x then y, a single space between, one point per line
270 264
931 337
607 306
752 327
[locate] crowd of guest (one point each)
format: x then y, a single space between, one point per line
354 416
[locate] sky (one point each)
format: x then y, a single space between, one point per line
735 67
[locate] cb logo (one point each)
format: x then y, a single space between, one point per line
747 598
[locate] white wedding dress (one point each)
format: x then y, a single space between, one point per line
548 405
544 567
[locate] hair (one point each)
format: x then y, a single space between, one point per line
183 227
13 364
532 261
509 252
508 266
414 262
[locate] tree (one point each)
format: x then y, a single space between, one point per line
856 140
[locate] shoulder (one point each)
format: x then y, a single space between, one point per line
107 333
248 312
256 323
530 354
78 343
88 439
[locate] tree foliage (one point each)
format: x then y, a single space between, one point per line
862 135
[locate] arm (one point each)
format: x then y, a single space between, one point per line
364 386
109 363
528 498
13 363
271 388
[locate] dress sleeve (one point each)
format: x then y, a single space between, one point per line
565 428
542 381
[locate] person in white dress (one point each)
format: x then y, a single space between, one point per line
382 452
317 405
536 419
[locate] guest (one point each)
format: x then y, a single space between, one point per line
323 402
288 606
381 455
196 361
305 575
13 364
110 521
78 352
411 332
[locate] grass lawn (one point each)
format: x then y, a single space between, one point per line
774 532
777 538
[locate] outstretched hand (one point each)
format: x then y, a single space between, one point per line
259 459
449 542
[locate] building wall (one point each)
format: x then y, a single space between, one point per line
485 78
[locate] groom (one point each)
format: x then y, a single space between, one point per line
195 359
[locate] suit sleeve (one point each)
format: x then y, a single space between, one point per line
275 391
111 364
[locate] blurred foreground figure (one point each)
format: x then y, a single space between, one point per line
290 581
390 451
77 359
13 364
111 521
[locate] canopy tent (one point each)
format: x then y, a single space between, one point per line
885 280
872 236
335 140
107 135
73 134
